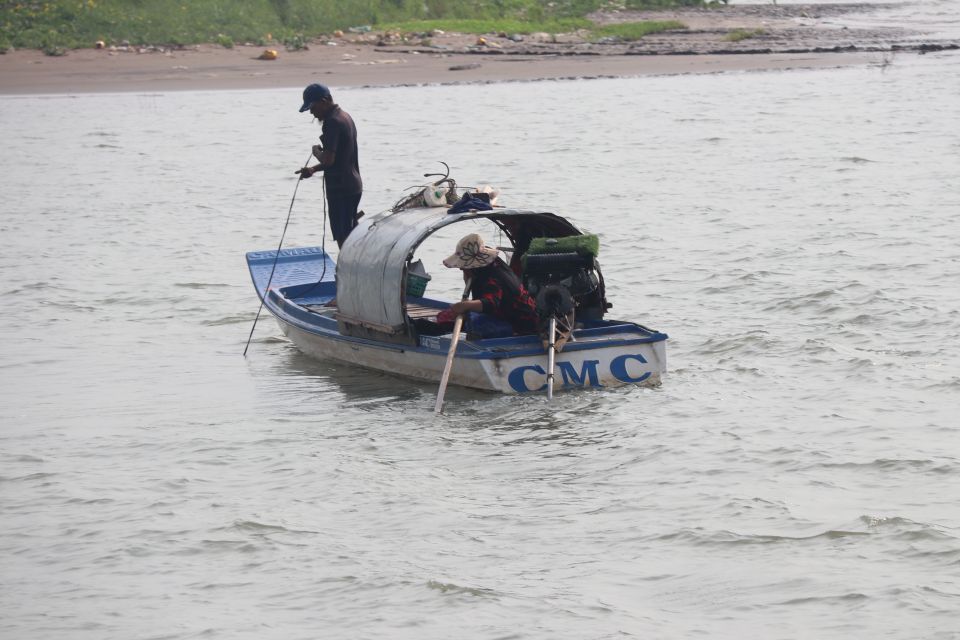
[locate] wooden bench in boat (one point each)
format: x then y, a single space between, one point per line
415 311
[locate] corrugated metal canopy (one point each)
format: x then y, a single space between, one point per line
372 266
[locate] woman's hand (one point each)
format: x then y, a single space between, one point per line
466 305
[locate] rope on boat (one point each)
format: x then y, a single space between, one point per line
266 290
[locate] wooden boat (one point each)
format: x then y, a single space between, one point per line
363 310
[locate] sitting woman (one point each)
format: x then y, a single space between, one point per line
495 289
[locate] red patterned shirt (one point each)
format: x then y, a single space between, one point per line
518 309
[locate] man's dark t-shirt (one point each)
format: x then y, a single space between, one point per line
339 135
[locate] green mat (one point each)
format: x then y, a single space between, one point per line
587 244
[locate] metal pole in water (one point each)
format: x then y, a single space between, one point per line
551 356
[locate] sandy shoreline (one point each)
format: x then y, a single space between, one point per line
210 69
787 37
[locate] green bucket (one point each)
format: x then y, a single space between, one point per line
416 285
417 279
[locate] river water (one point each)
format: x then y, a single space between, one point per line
797 475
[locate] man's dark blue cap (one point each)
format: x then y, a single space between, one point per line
313 93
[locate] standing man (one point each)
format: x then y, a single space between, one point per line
337 153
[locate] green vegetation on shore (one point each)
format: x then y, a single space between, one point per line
488 25
743 34
56 25
629 31
626 31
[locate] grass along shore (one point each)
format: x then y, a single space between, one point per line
56 26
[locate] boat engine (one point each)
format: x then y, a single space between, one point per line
562 276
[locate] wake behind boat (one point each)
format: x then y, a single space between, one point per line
368 309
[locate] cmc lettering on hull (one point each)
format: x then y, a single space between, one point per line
624 368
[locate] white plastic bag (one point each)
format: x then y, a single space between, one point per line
435 196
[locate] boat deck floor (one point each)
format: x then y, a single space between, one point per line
418 311
415 311
324 309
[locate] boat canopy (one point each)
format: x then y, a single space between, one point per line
373 262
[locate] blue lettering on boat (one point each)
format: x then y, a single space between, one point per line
518 384
618 368
587 376
572 378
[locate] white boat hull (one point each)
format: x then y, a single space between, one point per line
607 366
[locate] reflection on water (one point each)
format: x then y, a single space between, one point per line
359 386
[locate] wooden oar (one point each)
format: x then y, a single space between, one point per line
454 339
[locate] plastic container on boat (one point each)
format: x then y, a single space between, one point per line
435 196
417 279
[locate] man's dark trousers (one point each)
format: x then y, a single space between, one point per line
343 214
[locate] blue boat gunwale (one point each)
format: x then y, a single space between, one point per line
484 349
